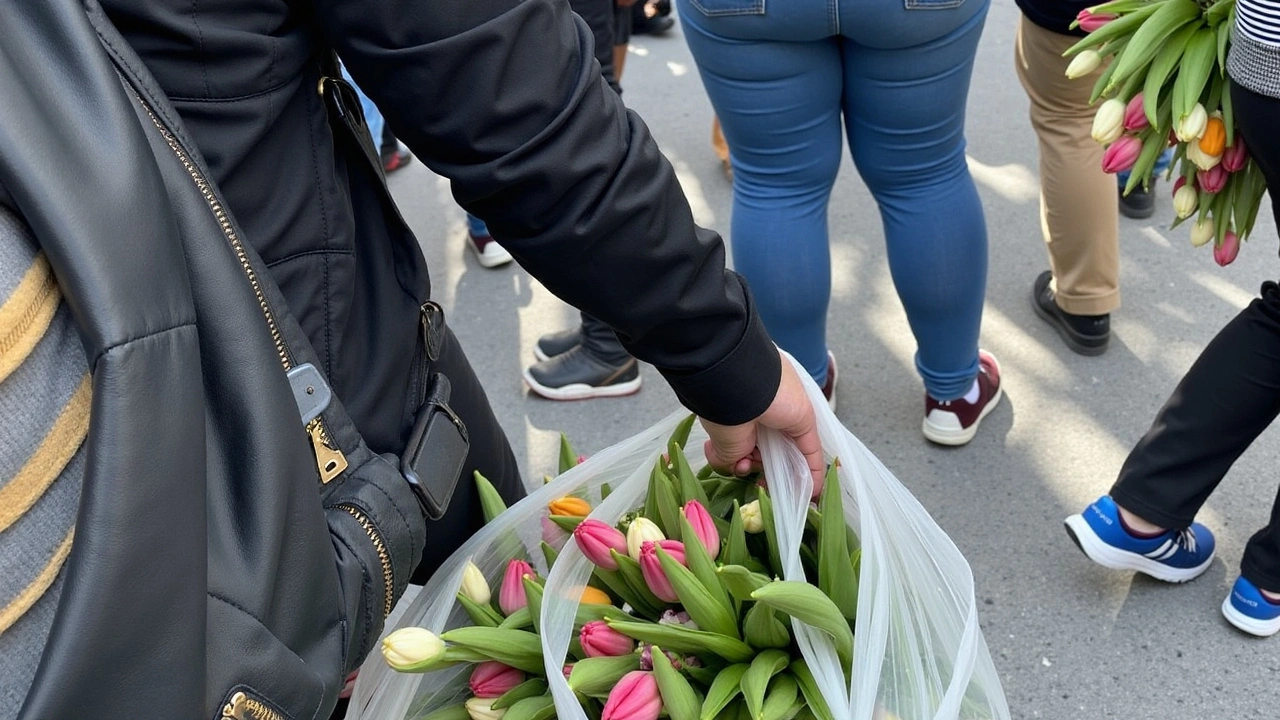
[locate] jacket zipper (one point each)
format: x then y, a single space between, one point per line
243 707
375 537
330 461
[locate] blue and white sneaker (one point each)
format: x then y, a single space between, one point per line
1248 610
1174 556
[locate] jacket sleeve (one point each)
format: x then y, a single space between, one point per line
504 98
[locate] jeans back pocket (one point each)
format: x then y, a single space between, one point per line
716 8
932 4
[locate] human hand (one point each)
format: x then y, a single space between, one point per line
733 448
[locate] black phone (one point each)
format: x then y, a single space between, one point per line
437 450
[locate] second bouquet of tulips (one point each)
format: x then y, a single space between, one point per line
632 587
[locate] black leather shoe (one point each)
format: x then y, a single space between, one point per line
557 343
1084 334
1140 203
578 375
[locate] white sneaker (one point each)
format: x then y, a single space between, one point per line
488 252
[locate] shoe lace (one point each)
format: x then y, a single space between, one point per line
1187 539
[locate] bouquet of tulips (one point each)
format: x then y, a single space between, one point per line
632 587
1166 85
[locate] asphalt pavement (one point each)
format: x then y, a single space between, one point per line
1070 639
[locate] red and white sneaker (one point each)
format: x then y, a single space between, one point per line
955 422
487 250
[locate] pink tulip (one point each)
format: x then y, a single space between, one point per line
1135 118
703 526
567 670
596 539
1092 21
553 534
599 640
512 597
635 697
1226 252
1213 179
1236 156
492 679
652 571
1121 154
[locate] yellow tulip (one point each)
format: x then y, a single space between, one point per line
572 506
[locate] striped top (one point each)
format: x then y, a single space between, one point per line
1259 20
44 419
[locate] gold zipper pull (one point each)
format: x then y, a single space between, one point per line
329 461
243 707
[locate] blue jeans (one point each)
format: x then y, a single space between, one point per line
783 82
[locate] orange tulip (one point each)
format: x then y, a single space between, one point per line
1214 140
576 507
595 596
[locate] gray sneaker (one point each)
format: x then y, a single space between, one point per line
578 375
557 343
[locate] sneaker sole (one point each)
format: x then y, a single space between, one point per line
1253 626
489 262
582 391
955 438
1107 556
1075 344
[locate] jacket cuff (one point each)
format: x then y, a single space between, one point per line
742 385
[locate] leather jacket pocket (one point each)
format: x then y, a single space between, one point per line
717 8
379 533
932 4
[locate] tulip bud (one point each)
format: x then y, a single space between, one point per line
1185 201
572 506
1226 251
641 531
511 596
411 649
482 709
474 586
703 526
1109 121
680 617
1089 21
1135 117
594 596
651 568
1121 154
1199 158
552 534
1213 179
492 679
1083 64
1236 156
1191 126
635 697
596 539
1202 231
752 521
599 640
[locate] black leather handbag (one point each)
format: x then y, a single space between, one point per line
238 547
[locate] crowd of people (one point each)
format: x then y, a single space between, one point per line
520 105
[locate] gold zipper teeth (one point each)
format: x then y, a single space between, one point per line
227 229
388 576
243 707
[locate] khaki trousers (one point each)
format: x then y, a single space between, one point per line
1079 212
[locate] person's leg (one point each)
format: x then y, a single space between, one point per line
720 147
621 39
598 14
904 110
779 108
476 226
372 116
1077 200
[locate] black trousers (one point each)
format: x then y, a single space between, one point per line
1228 397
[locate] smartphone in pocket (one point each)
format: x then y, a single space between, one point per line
437 450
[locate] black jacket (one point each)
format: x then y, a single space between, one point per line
503 98
1055 15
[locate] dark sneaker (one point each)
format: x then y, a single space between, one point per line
557 343
487 250
578 375
394 160
1139 204
829 387
955 422
1248 609
656 25
1174 556
1084 334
